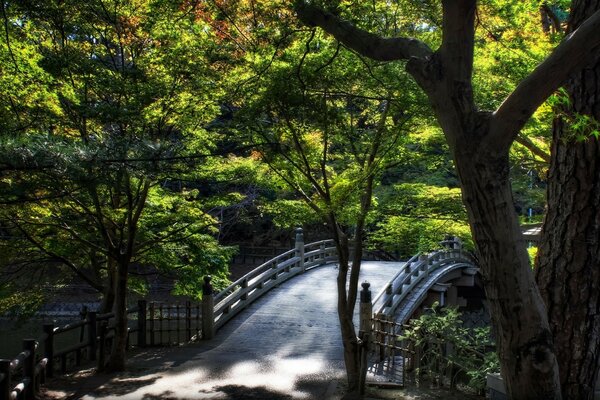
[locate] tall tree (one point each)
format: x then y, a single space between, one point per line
129 95
327 131
480 142
568 261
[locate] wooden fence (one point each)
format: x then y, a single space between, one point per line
90 339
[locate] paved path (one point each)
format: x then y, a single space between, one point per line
286 345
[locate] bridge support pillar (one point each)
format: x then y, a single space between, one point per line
208 310
300 247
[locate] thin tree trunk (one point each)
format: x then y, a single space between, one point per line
349 340
117 359
568 263
108 296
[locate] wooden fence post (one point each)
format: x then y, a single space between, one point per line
300 247
83 314
49 349
102 330
92 335
365 329
141 317
188 321
29 368
5 386
208 310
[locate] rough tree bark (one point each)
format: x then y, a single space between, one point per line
479 143
568 264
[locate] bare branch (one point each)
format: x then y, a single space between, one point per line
524 141
359 40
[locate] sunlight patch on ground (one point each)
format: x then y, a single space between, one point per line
274 374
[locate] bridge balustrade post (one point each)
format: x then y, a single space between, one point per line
5 386
300 247
423 259
365 329
49 349
208 309
244 285
366 308
323 255
29 346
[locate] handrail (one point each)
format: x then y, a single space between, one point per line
252 274
413 273
260 280
385 288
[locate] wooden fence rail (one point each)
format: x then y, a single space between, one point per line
27 372
90 339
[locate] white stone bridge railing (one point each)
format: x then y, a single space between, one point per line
229 302
415 272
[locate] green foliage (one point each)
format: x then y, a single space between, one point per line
288 212
532 252
469 350
18 305
416 216
122 96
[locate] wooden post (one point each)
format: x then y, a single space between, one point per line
102 344
366 308
141 318
188 321
364 338
208 310
49 349
92 335
300 247
178 322
160 323
365 329
29 368
83 315
5 386
152 311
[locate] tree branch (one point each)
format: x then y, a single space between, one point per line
525 142
575 52
359 40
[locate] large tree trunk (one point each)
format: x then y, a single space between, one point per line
521 329
568 264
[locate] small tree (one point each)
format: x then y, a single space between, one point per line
329 149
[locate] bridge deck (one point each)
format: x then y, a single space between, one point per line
287 343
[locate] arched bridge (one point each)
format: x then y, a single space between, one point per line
403 286
276 332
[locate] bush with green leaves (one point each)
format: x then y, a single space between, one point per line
450 350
